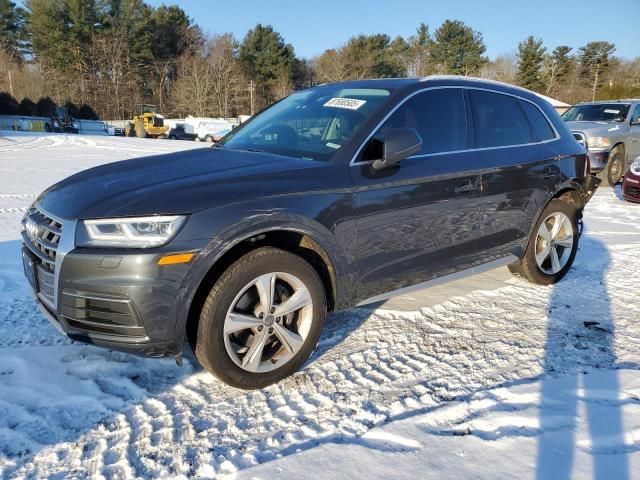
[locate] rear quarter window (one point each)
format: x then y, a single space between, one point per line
540 128
498 120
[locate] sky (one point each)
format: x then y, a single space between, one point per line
313 26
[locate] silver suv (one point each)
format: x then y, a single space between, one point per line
611 132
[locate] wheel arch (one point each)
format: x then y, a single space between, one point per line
568 193
294 241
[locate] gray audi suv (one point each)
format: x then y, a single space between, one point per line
337 196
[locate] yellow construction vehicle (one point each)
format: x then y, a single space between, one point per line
146 123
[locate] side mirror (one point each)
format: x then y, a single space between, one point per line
636 121
399 143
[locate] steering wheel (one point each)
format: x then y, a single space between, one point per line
286 135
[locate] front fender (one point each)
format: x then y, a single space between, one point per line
328 219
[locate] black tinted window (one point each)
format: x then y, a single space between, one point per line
438 116
498 120
635 116
539 124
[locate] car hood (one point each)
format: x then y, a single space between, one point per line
595 128
183 182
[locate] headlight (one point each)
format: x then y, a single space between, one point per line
599 142
635 166
140 232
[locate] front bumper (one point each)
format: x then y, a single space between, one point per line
120 299
631 187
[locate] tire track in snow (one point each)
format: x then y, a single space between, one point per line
14 210
18 195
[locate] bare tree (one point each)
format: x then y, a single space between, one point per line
223 67
209 80
20 79
503 69
193 89
114 75
7 71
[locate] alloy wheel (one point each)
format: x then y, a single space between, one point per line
616 170
554 243
268 322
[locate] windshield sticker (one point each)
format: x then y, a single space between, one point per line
333 145
615 112
348 103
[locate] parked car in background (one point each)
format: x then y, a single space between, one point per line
336 196
631 183
221 134
178 133
611 132
207 131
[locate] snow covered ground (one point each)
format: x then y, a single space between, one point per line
488 377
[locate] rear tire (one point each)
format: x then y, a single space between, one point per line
246 340
552 247
613 172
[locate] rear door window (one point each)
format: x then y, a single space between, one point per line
540 127
498 120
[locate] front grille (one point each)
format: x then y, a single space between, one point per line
41 236
631 191
43 233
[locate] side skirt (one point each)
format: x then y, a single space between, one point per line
469 272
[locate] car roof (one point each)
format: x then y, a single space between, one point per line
393 83
605 102
435 80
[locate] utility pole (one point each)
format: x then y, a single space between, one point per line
251 89
10 83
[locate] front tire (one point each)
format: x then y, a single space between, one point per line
261 320
552 246
614 169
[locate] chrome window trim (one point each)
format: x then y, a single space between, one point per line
465 87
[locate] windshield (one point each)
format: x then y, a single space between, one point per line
313 124
601 112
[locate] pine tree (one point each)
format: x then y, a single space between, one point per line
595 58
420 51
60 32
458 49
530 61
268 60
11 28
